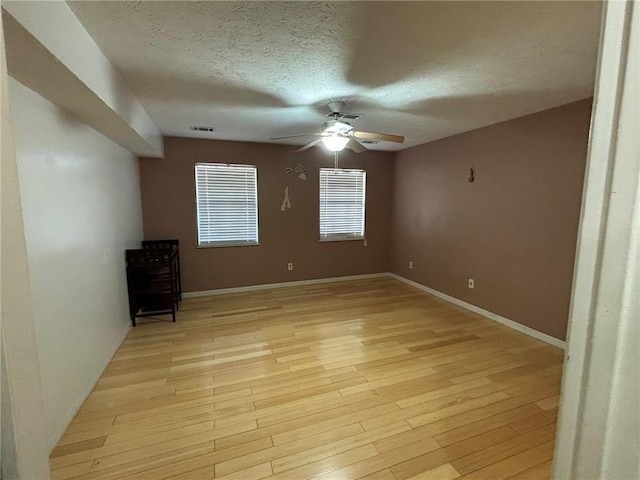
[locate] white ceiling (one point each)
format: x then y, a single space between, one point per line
426 70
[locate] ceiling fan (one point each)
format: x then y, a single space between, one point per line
338 134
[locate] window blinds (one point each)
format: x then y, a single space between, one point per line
227 203
342 204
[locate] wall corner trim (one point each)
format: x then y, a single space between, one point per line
485 313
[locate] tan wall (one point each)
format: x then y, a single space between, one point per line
168 200
514 230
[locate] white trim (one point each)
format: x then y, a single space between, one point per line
485 313
480 311
266 286
338 238
598 429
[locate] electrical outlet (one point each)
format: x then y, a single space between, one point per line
410 265
472 283
289 266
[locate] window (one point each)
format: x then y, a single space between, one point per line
342 195
227 203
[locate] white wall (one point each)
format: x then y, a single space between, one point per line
50 51
81 207
24 453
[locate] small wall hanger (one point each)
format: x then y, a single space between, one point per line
302 173
286 203
299 170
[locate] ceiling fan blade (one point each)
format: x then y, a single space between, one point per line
294 136
355 146
309 145
377 136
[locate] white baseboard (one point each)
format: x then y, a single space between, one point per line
266 286
485 313
480 311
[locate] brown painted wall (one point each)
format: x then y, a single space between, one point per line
169 211
514 230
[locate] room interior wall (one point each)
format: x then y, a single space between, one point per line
23 450
169 211
8 453
513 230
81 207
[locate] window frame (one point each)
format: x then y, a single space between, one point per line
230 243
342 237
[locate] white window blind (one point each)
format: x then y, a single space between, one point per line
227 203
342 204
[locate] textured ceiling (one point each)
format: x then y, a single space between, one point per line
426 70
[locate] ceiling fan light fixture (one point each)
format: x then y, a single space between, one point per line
335 143
337 134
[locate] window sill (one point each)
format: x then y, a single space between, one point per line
342 239
229 244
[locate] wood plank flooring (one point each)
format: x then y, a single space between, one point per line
368 379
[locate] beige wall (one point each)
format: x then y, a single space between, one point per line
168 200
513 230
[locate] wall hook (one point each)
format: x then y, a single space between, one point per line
472 174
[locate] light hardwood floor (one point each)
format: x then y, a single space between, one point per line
363 379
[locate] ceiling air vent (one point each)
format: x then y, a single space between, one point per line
197 128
